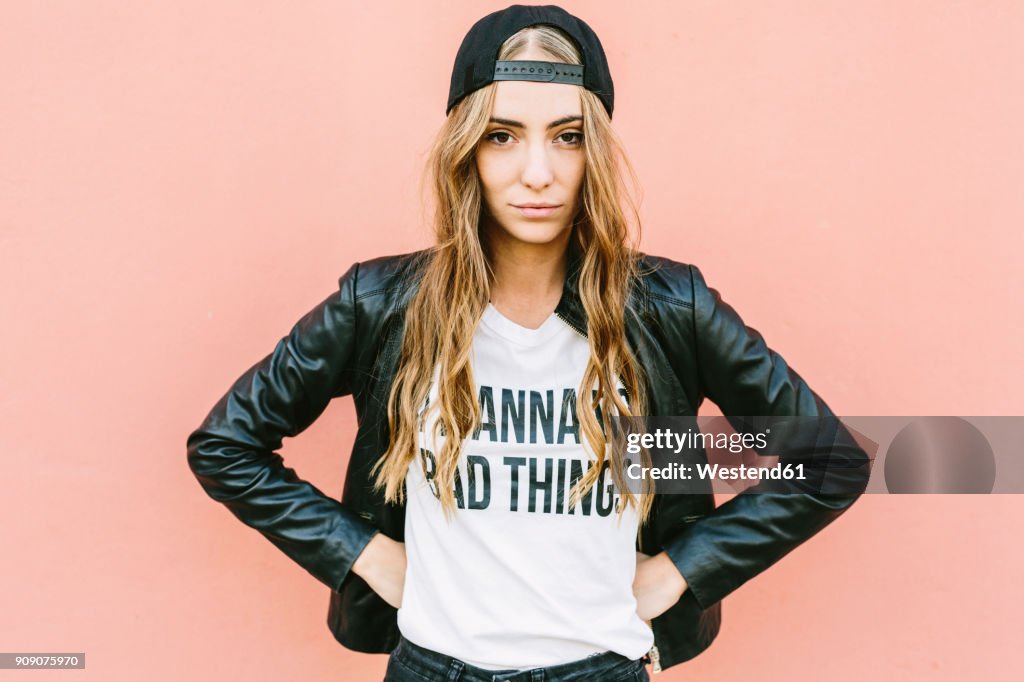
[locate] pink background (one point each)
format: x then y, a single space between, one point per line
181 181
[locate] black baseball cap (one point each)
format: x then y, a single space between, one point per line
477 64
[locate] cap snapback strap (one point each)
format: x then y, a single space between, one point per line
547 72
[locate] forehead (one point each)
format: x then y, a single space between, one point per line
536 103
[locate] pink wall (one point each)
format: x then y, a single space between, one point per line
180 181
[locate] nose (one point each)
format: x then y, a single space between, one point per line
537 171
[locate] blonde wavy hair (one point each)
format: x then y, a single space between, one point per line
455 287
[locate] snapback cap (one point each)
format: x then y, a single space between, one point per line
477 63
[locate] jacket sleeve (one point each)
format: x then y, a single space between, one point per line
753 530
232 453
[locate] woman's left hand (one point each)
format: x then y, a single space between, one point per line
658 585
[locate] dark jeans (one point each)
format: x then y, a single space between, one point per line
412 663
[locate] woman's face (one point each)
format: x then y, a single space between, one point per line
531 160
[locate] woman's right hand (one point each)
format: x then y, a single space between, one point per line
382 565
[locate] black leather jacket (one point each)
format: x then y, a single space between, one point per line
691 345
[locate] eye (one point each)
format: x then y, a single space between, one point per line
571 137
499 137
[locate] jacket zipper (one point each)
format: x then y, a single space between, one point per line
655 659
582 333
576 329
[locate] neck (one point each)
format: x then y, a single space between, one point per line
527 278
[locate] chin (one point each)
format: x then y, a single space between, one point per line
534 232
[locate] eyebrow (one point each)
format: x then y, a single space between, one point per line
553 124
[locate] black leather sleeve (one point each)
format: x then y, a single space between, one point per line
232 453
753 530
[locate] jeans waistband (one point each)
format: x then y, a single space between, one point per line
437 666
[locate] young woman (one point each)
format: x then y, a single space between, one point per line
486 531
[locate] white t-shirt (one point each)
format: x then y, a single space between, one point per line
518 579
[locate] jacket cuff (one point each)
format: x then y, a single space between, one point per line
696 562
342 547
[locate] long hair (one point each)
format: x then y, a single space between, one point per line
455 286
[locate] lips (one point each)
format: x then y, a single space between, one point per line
536 209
